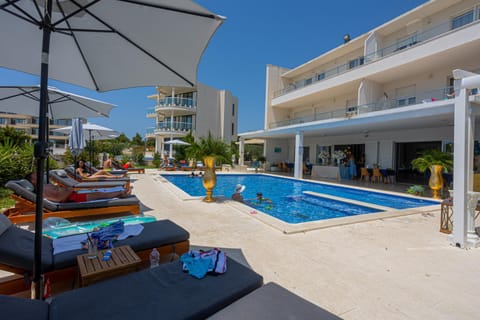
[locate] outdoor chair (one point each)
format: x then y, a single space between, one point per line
162 292
24 210
364 174
60 176
17 246
377 175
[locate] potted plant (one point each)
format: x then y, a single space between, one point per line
437 162
416 190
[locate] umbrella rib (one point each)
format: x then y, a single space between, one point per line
189 12
67 97
141 49
79 48
23 93
28 18
129 41
80 9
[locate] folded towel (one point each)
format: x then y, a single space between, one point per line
75 242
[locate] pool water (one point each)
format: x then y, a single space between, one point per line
64 230
288 201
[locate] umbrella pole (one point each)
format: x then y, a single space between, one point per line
40 152
47 165
91 152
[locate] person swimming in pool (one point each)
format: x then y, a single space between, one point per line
261 199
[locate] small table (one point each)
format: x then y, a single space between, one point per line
123 261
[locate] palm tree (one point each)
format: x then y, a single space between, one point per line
432 157
210 146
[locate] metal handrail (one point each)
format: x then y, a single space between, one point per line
444 93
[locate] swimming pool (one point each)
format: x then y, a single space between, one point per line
291 204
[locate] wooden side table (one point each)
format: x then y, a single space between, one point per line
123 261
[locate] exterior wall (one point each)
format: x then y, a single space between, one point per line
274 83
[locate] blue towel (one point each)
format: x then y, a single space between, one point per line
196 267
108 234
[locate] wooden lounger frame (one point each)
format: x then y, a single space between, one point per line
24 211
65 279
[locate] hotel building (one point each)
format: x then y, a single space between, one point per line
199 110
383 96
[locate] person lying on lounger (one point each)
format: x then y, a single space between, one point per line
82 171
64 194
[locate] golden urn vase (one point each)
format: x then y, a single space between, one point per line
209 178
436 180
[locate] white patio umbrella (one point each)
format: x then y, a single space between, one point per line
102 45
175 142
93 132
60 104
76 140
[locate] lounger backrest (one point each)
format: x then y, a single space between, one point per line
62 177
22 188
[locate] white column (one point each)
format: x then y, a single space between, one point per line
298 171
170 154
472 238
463 152
460 170
156 143
241 151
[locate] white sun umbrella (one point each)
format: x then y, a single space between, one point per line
102 45
76 140
174 142
61 104
92 132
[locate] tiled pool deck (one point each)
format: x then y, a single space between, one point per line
396 268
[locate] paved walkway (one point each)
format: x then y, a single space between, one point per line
397 268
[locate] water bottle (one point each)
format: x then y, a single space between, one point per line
154 258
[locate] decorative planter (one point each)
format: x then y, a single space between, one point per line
209 178
436 181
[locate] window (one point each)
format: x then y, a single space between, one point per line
406 96
233 109
356 62
233 129
321 76
3 121
462 20
308 81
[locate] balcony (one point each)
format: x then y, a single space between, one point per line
387 104
415 39
177 128
151 112
150 132
181 106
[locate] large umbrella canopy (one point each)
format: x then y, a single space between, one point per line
173 142
93 132
177 142
103 45
61 104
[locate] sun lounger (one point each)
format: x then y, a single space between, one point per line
162 292
61 177
71 172
273 302
25 198
17 245
118 167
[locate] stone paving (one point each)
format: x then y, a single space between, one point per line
390 268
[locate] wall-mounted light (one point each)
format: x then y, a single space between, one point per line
346 38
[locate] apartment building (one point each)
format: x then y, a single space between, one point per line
383 96
29 125
199 110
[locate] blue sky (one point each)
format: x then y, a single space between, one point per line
256 33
